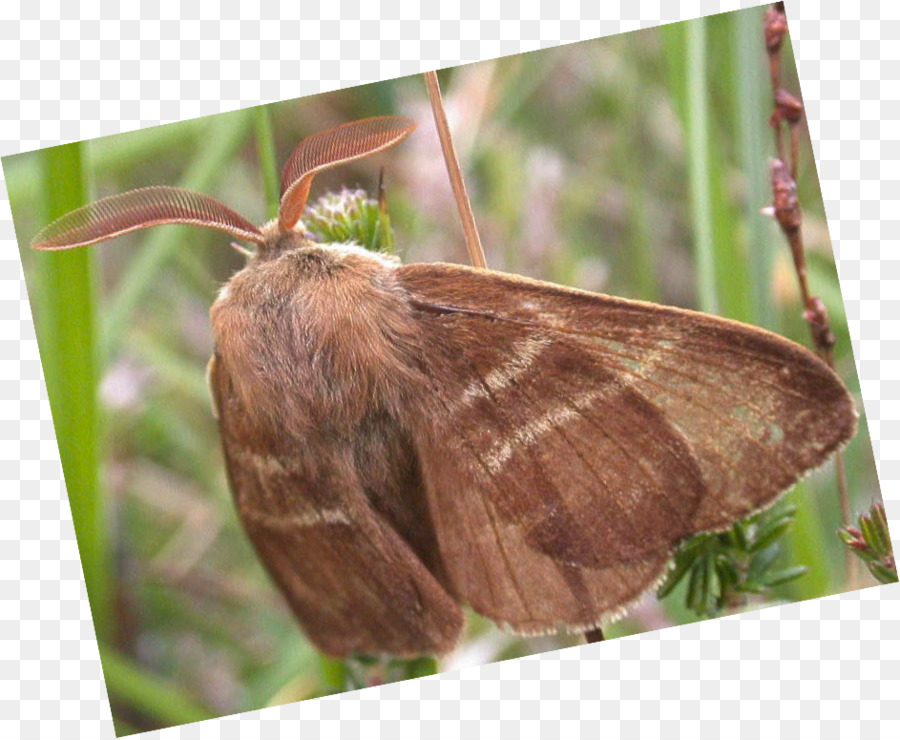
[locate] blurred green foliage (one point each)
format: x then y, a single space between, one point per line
600 165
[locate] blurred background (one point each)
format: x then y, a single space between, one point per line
604 165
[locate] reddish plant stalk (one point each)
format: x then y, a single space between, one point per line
787 211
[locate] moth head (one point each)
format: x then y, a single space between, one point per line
154 206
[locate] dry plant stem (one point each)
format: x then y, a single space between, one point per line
473 242
787 211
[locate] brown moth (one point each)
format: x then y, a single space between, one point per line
404 439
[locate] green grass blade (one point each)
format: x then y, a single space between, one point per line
805 542
752 93
66 328
149 694
698 165
268 160
225 134
732 278
644 278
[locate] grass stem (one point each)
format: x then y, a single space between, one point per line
698 165
268 160
65 319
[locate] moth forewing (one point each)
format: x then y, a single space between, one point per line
572 440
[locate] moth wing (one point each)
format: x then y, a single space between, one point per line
570 440
354 583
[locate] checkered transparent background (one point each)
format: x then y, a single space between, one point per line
827 668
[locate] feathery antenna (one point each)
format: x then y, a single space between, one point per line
327 149
140 209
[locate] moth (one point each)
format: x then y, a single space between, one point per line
405 439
